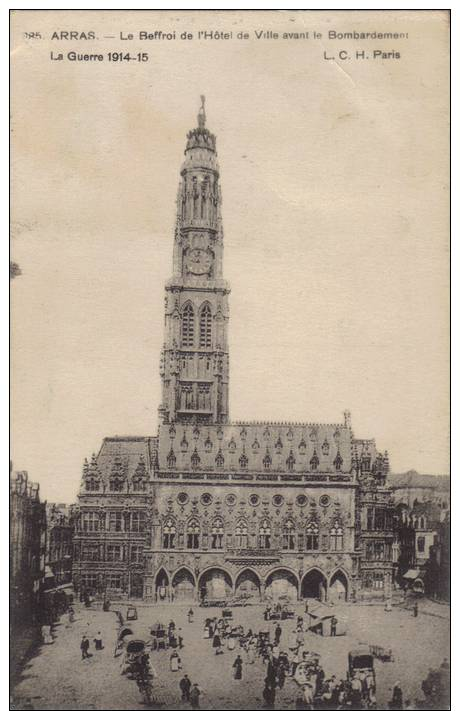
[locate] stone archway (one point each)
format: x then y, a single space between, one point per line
162 586
338 587
282 583
183 585
215 584
314 585
247 585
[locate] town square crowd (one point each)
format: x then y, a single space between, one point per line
282 652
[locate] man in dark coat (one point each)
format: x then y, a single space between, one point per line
397 698
269 694
84 646
185 685
195 697
278 632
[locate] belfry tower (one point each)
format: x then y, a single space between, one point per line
194 364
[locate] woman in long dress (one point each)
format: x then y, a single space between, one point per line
207 630
238 667
252 650
217 644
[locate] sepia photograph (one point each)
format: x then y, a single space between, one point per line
230 416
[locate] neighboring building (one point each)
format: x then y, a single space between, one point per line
422 507
59 545
412 488
113 519
254 509
27 548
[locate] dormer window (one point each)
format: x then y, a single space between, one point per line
243 460
195 459
278 445
267 461
171 459
314 462
220 459
116 484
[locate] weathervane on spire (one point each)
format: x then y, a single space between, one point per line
202 113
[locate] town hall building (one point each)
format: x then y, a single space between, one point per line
212 509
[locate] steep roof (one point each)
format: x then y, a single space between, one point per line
412 479
128 453
280 441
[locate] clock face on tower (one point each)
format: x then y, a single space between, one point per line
198 261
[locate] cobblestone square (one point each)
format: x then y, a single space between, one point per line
57 678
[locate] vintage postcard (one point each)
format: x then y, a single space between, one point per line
229 485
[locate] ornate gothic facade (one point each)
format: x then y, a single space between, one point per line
212 509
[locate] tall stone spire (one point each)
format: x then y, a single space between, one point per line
194 364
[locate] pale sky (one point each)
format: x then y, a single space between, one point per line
335 207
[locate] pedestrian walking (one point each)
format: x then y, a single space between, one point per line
195 694
278 633
185 685
271 673
334 627
175 662
190 615
238 668
252 647
84 646
98 642
416 609
217 644
308 696
269 695
397 698
295 663
356 692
